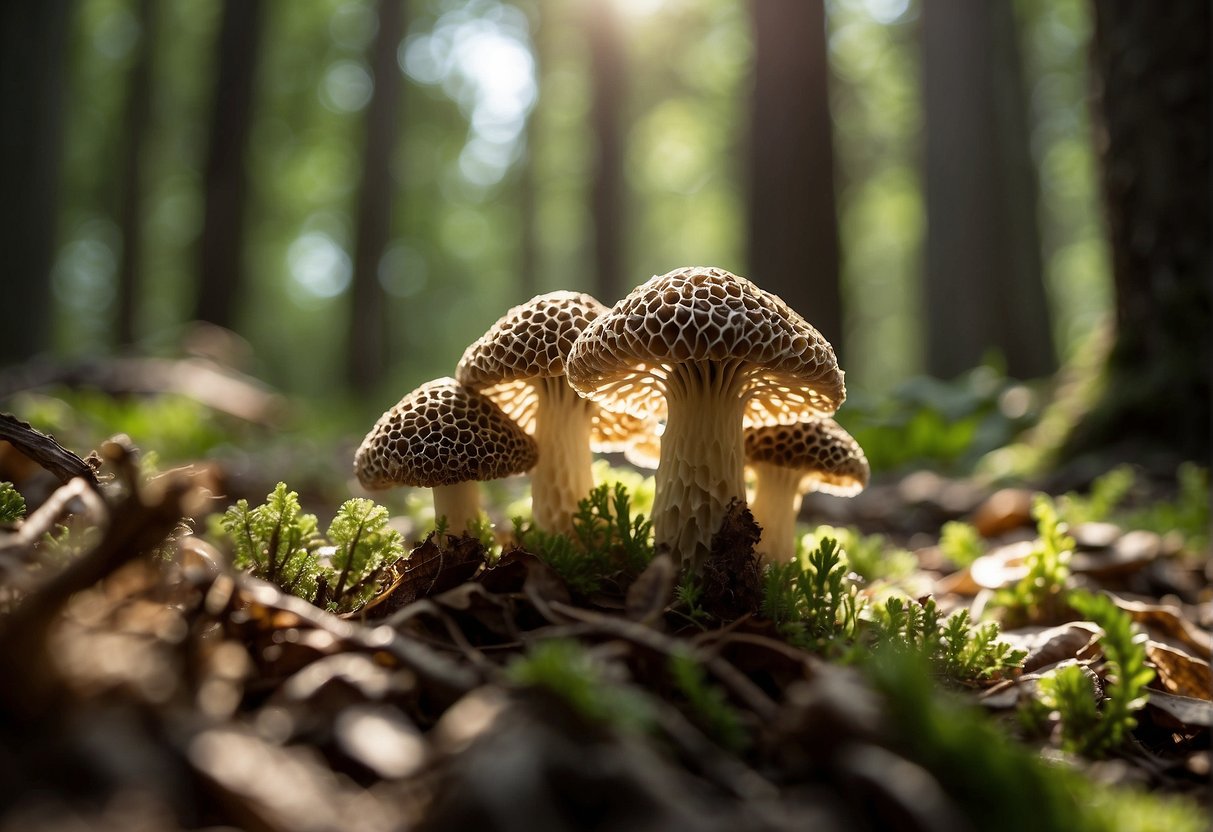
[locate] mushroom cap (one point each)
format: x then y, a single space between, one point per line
706 314
531 342
442 433
829 457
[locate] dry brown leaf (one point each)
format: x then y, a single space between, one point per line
650 594
1166 623
1182 674
1181 712
1049 645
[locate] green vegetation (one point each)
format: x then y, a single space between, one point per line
1040 594
961 543
280 543
607 541
955 649
1085 728
568 671
12 504
1107 492
1187 514
812 602
709 708
870 556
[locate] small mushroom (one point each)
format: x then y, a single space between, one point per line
790 460
445 437
706 351
519 364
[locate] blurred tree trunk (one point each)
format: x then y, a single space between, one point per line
528 247
984 286
225 187
130 198
32 69
608 80
1152 98
368 321
793 224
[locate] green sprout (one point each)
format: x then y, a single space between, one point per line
12 504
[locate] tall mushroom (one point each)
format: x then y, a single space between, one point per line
705 350
445 437
789 460
519 364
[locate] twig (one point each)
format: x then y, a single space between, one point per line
45 451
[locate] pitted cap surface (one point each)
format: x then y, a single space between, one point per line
530 342
442 433
705 314
828 456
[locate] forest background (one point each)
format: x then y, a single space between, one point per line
359 189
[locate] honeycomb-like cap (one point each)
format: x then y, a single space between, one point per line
829 457
530 342
442 434
702 314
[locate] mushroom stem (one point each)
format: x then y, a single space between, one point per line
777 498
700 471
458 503
562 476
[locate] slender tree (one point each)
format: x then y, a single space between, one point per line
1151 66
608 83
367 332
130 197
32 70
793 224
984 285
225 186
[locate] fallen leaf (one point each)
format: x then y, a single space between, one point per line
1182 674
651 592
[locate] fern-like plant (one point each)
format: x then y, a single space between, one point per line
811 600
709 707
272 541
961 543
1040 594
364 546
12 504
956 649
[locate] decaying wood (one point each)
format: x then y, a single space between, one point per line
44 450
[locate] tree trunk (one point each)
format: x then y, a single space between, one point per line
608 80
130 198
793 224
32 69
1151 65
225 187
983 287
367 351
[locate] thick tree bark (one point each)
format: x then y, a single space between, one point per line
367 351
221 247
1152 108
793 224
984 285
130 198
32 64
608 82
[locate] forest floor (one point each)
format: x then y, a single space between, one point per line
147 684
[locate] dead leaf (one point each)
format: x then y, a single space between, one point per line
650 594
1049 645
431 569
1182 674
1182 712
1166 623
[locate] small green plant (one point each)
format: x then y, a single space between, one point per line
709 707
607 541
956 649
567 670
1107 492
363 546
12 504
870 556
1040 594
1086 728
961 543
688 599
811 600
272 541
280 543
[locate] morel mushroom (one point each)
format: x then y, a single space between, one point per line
519 364
790 460
706 351
447 438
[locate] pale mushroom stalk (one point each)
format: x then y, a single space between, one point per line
458 503
776 505
562 476
701 469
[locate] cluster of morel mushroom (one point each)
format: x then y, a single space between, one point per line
725 372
